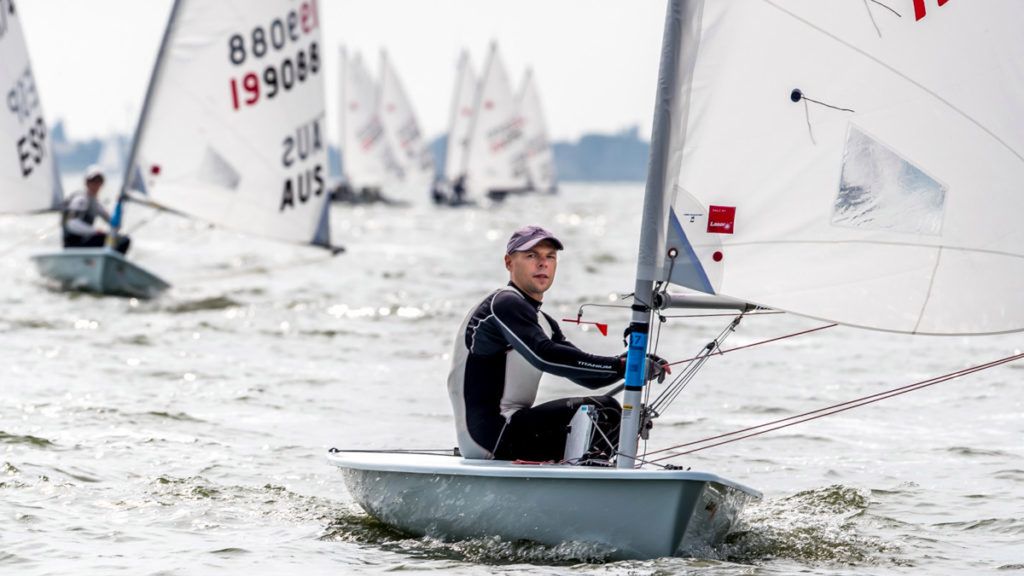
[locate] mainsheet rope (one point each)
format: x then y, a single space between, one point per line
774 425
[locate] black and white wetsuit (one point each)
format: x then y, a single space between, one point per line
77 217
501 350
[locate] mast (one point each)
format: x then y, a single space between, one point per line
652 232
139 128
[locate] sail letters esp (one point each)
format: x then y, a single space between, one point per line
23 102
304 145
919 8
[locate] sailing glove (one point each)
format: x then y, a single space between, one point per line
657 367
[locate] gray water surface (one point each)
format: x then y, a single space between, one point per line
188 435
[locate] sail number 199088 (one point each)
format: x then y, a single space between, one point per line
252 87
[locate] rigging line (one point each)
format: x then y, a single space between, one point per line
719 315
840 108
439 451
143 222
807 116
679 383
835 408
878 243
872 17
889 8
666 398
721 352
874 59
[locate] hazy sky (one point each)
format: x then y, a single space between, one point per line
595 61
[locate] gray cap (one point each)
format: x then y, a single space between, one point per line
529 236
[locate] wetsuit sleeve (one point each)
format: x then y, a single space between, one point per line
518 322
558 336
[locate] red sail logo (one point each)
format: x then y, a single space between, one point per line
721 219
919 9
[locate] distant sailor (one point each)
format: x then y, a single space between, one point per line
459 190
501 350
80 212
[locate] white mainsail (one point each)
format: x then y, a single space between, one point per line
848 161
461 117
233 128
367 159
402 128
496 137
539 158
28 172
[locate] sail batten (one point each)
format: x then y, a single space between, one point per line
820 165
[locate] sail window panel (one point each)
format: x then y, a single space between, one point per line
881 190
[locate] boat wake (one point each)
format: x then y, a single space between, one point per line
820 526
356 527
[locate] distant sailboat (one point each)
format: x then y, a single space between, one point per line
835 160
231 130
369 164
537 154
460 121
460 118
28 169
402 130
495 136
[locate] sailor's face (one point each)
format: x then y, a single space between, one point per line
533 270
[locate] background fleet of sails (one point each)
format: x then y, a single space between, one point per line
232 129
497 138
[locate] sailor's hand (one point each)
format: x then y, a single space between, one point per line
657 367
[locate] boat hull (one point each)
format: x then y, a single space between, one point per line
99 270
629 513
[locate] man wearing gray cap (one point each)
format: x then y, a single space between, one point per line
80 211
501 350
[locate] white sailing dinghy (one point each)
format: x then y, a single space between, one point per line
29 179
28 169
889 201
231 130
538 157
460 121
402 131
495 136
368 161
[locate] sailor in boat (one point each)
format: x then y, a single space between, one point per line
459 190
80 211
438 191
501 350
